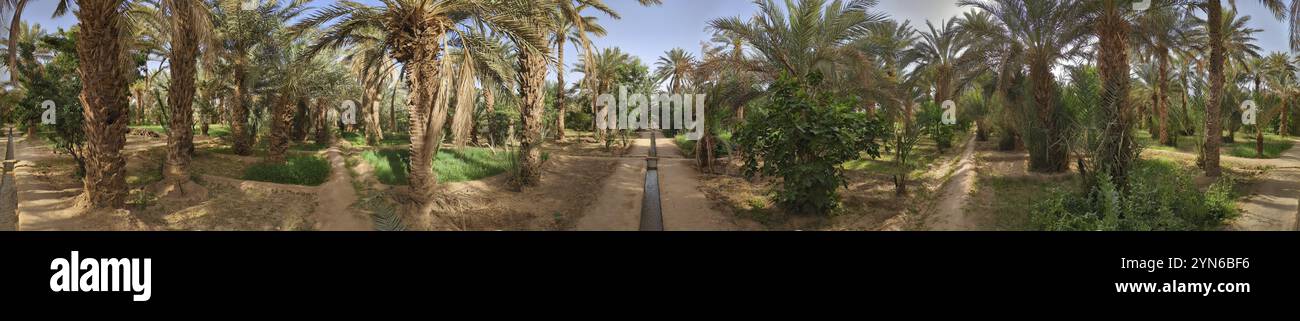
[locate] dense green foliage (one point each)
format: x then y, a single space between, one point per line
58 82
803 138
1161 196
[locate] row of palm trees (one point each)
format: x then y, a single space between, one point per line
1008 51
443 48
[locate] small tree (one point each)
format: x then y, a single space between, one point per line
803 138
58 82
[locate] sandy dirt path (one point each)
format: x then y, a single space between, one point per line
334 199
1274 201
948 212
685 207
1274 204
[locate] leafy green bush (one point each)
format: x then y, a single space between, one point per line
298 170
802 137
1161 197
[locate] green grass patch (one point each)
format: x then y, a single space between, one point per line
297 170
358 139
462 165
1243 147
1274 146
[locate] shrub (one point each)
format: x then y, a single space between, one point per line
1161 197
802 138
299 170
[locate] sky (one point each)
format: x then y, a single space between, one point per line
647 32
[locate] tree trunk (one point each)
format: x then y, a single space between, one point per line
104 71
1116 152
1213 131
560 97
532 73
427 117
15 23
1051 154
281 123
370 108
322 122
243 140
180 138
1162 104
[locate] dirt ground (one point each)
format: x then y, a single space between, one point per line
50 195
569 184
869 202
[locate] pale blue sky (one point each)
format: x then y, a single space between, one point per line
648 32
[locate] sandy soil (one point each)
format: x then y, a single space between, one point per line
334 210
948 213
1273 203
49 195
569 184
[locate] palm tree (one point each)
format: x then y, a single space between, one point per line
18 6
1217 52
243 32
370 67
1239 49
782 40
1281 70
674 67
102 48
415 35
1161 30
942 54
1117 149
1048 31
190 22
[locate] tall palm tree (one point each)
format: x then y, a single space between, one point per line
803 36
415 35
942 54
191 26
102 47
674 67
1117 149
570 11
15 21
1281 70
1161 30
1217 53
243 32
370 65
1048 31
532 66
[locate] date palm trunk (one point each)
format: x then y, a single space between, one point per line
427 117
1117 150
1162 105
1051 156
281 123
1213 129
321 120
243 140
103 51
180 138
560 97
532 73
